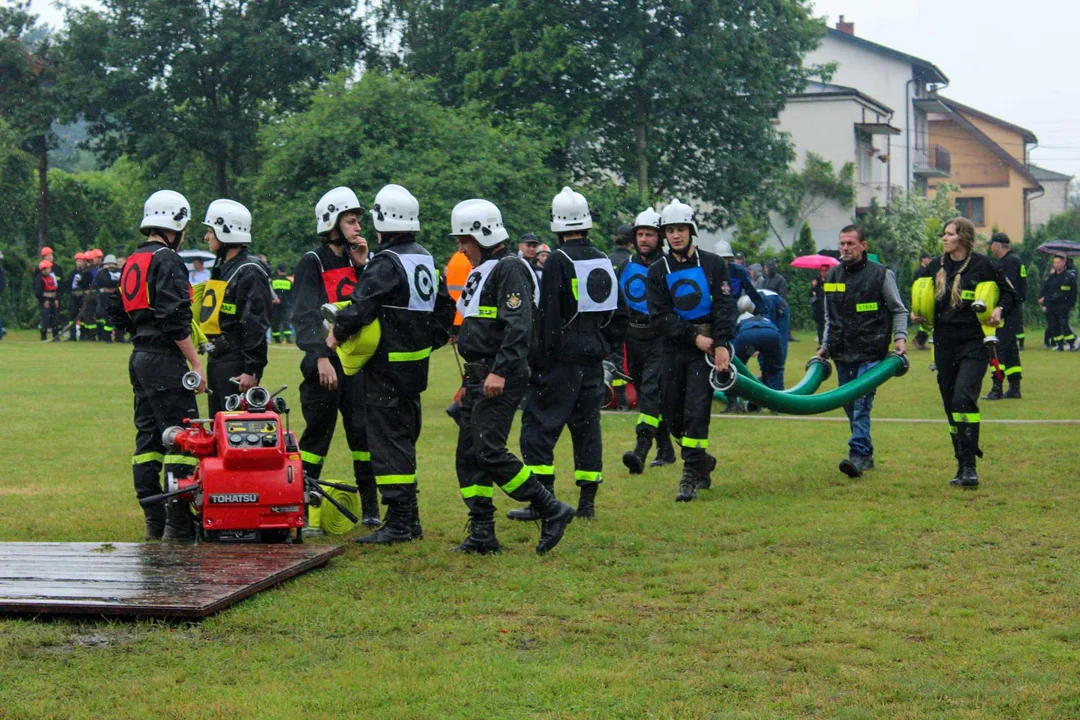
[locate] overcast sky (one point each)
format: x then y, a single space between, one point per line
1011 59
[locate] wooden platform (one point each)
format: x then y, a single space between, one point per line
145 579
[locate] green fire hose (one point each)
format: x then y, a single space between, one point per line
818 370
738 382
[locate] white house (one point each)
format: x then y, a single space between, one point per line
1055 198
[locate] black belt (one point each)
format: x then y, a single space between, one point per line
642 332
703 329
478 369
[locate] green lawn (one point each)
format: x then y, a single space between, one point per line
786 591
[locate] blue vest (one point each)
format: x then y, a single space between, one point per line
690 294
737 277
632 282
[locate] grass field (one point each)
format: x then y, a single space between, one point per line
785 591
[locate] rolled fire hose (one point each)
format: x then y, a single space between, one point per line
736 383
330 518
818 370
198 337
356 350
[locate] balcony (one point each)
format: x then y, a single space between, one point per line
935 164
884 193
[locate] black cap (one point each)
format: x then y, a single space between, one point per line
529 238
281 267
925 255
1000 237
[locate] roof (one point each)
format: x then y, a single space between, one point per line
930 71
1029 137
820 89
985 140
1044 175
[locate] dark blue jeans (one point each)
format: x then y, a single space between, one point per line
858 412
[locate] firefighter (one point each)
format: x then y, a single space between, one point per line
581 317
959 350
497 307
401 289
644 346
1008 336
920 272
90 324
105 285
692 305
47 291
154 305
280 322
863 313
235 308
756 333
80 283
1057 297
329 274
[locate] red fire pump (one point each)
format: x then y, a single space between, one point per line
249 485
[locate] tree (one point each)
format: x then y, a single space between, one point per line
805 245
389 128
803 193
673 98
28 73
165 82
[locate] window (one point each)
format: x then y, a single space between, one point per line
972 209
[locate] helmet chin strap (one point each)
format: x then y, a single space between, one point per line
685 253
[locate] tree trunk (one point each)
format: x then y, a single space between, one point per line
640 146
221 166
43 192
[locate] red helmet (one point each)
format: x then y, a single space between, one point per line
80 256
96 253
45 265
46 251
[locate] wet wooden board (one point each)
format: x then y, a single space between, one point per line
145 579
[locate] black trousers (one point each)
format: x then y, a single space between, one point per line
564 395
1008 348
73 315
1057 324
321 407
393 427
644 358
49 315
483 460
279 322
218 371
961 368
687 401
160 402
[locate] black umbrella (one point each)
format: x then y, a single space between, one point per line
1068 248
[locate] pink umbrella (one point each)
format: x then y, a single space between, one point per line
813 262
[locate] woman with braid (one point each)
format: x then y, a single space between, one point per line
960 353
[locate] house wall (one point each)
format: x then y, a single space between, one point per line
1054 202
1003 207
972 162
882 78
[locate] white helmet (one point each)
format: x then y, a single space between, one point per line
396 210
570 212
110 259
165 210
678 213
723 249
746 305
331 205
230 221
481 219
648 218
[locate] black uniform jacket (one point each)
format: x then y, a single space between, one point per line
960 324
560 333
309 294
168 319
1059 289
243 333
679 333
504 338
408 337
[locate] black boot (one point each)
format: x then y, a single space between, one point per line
956 446
155 521
995 391
968 439
481 539
688 485
369 504
703 471
634 460
1013 393
853 466
665 451
528 513
179 524
415 529
399 520
621 403
553 514
586 507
